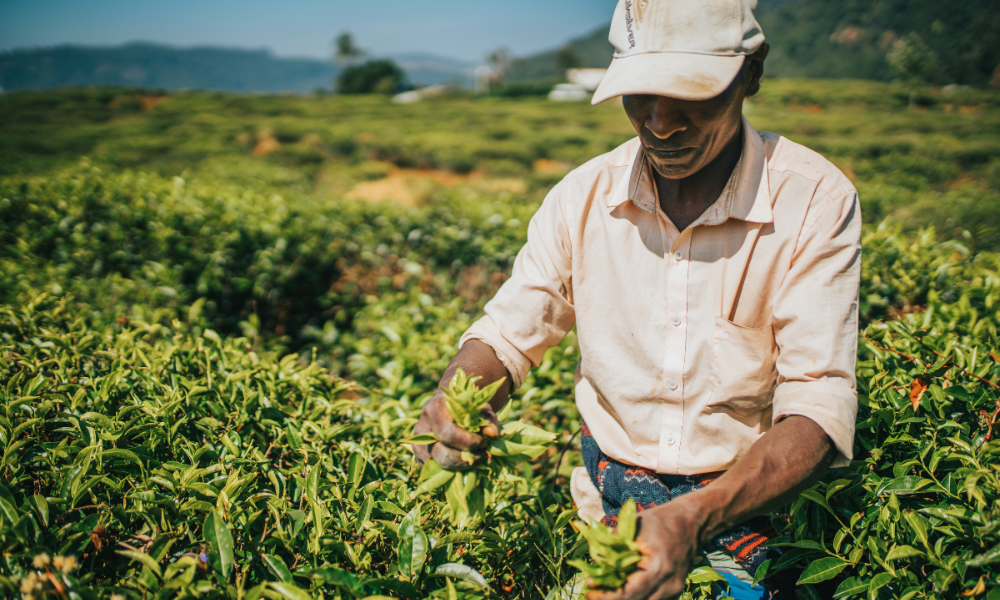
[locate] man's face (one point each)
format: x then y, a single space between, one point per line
681 137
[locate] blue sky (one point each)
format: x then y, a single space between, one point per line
462 29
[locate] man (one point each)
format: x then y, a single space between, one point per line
712 273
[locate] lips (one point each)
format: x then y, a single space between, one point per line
670 152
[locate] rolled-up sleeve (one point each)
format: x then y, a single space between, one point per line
533 310
815 319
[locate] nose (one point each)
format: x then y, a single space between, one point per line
666 118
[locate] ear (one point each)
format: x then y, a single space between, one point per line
755 63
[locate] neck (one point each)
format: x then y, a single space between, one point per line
684 200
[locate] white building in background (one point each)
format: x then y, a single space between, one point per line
568 92
582 83
417 95
588 79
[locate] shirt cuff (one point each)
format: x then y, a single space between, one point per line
832 406
486 331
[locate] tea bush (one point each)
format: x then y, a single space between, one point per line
175 464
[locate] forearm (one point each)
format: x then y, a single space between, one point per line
478 358
788 459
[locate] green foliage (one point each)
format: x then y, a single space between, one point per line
913 61
931 164
376 76
568 58
469 493
853 38
841 39
523 89
914 516
179 321
614 552
174 464
346 48
466 400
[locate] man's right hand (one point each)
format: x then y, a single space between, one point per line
452 440
476 359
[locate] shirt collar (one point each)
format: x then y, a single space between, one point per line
746 196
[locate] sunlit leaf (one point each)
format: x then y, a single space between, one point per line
821 570
459 571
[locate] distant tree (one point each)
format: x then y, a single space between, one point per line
346 50
913 61
568 58
499 61
379 76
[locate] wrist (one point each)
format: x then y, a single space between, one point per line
704 510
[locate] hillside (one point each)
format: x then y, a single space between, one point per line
423 68
956 43
594 51
150 65
854 38
166 67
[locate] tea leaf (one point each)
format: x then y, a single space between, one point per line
821 570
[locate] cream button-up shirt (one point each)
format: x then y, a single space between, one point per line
693 343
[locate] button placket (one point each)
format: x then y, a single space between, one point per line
675 339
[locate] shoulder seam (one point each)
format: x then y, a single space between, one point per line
819 186
815 213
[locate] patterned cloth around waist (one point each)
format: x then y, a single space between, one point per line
619 482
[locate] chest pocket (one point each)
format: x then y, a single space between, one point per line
744 374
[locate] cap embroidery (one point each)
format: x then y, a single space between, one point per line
628 23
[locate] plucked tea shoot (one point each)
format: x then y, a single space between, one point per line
469 492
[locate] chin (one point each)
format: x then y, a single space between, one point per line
674 171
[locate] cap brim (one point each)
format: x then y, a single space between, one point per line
673 74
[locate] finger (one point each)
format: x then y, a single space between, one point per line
643 582
492 430
673 588
604 594
451 460
423 453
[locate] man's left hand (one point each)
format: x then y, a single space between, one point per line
669 539
787 459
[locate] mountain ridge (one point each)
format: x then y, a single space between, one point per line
152 65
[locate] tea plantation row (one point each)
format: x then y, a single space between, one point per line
934 163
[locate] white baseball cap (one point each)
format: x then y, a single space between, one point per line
687 49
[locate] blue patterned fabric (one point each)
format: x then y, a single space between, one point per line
619 483
741 590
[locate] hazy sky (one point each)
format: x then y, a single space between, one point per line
462 29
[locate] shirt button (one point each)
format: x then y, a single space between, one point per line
678 255
671 440
676 321
672 384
